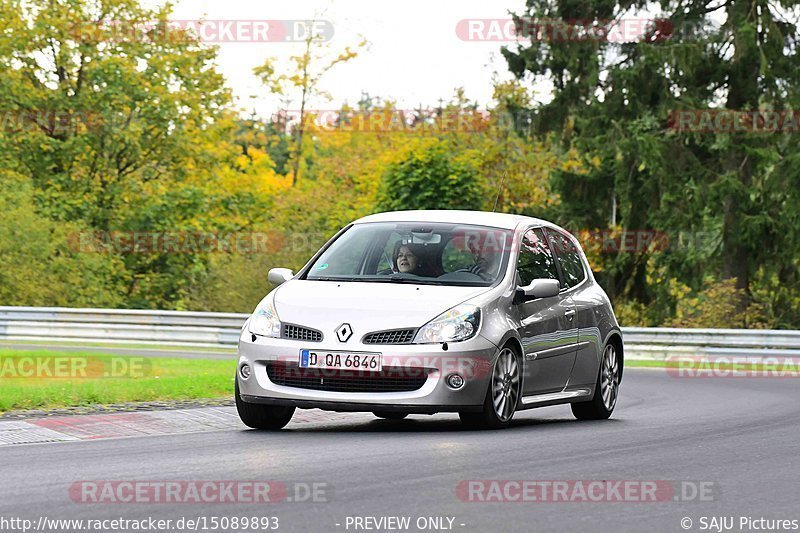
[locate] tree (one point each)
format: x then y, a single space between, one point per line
309 69
41 261
127 96
120 125
433 178
616 102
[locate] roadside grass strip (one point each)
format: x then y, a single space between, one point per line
41 379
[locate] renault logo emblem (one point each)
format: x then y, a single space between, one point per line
344 332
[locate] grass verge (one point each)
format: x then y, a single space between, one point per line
89 378
42 379
733 365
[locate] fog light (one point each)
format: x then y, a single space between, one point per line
244 371
455 381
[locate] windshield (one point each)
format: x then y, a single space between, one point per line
420 253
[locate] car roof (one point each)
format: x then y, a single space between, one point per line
479 218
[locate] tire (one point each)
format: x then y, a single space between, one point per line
606 389
502 394
390 415
257 416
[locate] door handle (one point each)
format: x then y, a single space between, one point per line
570 314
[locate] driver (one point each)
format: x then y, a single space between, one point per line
407 260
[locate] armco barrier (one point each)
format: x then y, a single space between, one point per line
221 330
120 326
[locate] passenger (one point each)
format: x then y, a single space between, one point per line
486 266
487 261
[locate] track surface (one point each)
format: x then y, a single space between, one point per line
740 434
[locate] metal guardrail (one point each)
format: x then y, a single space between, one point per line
121 326
658 343
221 330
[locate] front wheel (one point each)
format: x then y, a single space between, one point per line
605 390
258 416
501 398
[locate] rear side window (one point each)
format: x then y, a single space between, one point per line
569 257
535 259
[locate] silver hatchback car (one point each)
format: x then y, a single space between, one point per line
482 314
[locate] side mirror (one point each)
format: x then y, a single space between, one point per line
541 288
279 275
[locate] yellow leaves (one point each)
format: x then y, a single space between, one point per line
678 289
631 314
512 92
569 125
571 166
307 70
345 56
718 305
575 163
242 162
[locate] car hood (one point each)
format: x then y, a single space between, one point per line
367 307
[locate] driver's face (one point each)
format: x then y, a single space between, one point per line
406 260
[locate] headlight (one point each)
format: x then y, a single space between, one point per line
458 324
265 321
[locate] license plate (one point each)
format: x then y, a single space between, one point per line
367 362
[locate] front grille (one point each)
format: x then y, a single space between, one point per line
390 379
394 336
299 333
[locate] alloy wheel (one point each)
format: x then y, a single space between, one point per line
505 385
609 377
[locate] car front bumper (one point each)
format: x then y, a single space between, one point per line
472 359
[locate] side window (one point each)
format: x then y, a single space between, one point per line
569 257
535 259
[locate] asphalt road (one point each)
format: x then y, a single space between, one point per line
740 435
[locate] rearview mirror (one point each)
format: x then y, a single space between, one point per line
279 275
541 288
419 237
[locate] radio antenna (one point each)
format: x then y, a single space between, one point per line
499 190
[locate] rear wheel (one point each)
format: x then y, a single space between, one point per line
390 415
605 391
502 396
258 416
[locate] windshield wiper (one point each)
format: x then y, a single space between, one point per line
332 279
381 279
410 281
404 281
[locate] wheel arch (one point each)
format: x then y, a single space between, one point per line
515 344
